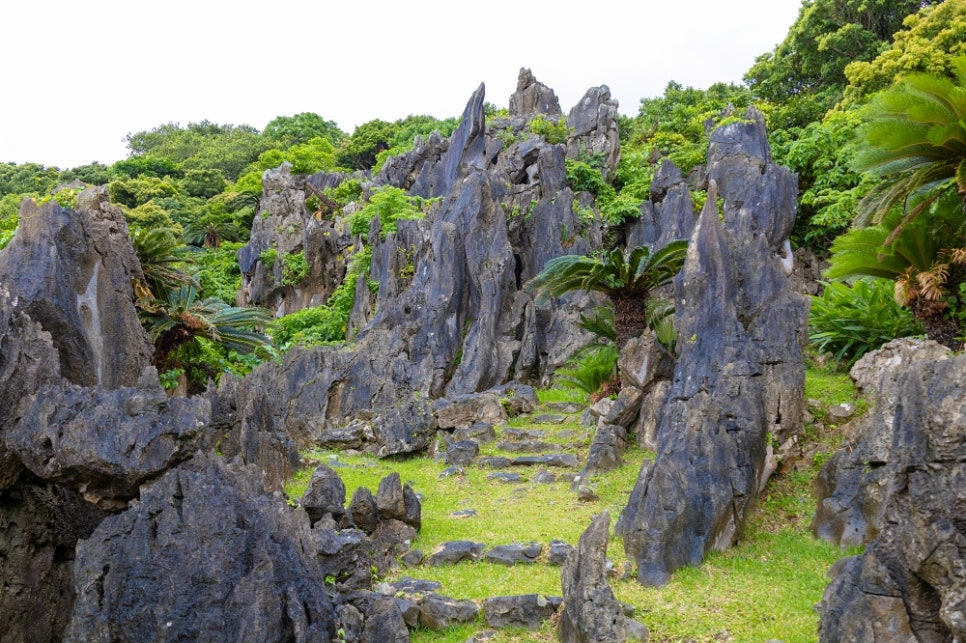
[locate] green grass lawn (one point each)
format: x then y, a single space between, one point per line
764 588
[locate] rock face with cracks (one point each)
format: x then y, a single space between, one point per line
739 377
910 584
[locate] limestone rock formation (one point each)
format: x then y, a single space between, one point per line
853 484
203 554
71 272
590 613
910 584
533 97
739 377
456 322
106 443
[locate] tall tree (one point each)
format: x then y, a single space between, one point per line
805 74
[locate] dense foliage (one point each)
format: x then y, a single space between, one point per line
854 86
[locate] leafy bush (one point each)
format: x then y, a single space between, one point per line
218 271
848 321
590 369
323 324
390 204
552 131
295 268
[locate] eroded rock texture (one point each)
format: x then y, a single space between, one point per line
910 584
741 328
204 555
852 485
451 316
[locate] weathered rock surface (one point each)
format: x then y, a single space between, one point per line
590 612
910 584
739 377
853 484
106 443
459 321
533 97
510 555
72 271
455 551
440 612
205 553
40 525
526 610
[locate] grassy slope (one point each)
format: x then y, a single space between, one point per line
765 588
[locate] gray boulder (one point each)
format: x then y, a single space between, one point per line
438 612
106 443
526 610
324 495
204 554
71 272
852 485
910 584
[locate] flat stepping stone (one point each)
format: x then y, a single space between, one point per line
527 610
438 612
451 471
548 459
464 513
566 407
411 586
505 477
494 462
455 551
522 434
549 418
510 555
525 446
545 477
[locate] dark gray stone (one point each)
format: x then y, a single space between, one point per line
414 586
494 462
324 495
510 555
106 442
590 613
507 478
438 612
525 446
389 497
481 432
910 583
363 509
72 272
607 450
455 551
203 551
739 377
461 452
451 471
545 477
525 610
558 551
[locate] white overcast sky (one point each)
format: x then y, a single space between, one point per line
78 76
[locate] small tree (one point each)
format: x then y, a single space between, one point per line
625 278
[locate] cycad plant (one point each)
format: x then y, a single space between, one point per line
914 140
162 259
180 316
625 278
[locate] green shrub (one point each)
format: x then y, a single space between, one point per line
591 368
390 204
295 268
323 324
552 131
848 321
